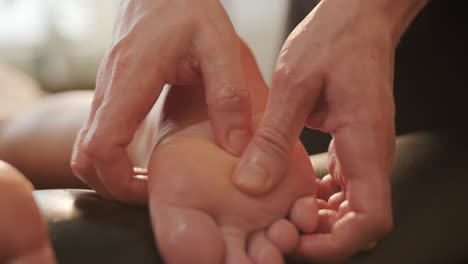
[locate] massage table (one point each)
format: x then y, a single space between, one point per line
429 186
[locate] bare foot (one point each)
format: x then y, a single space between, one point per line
23 235
197 213
50 124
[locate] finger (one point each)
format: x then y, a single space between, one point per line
343 209
266 158
345 239
131 189
112 128
89 176
364 153
335 200
83 169
227 94
326 220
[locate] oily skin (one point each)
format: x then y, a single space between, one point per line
192 200
196 211
334 74
23 235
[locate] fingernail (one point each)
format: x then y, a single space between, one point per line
252 178
237 140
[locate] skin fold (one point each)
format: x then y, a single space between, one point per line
197 213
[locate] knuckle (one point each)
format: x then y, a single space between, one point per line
289 74
120 57
230 97
296 81
89 149
93 149
273 142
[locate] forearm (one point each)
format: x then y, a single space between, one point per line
381 22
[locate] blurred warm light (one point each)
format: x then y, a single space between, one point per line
61 43
59 204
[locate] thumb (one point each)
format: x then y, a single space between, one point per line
226 91
266 158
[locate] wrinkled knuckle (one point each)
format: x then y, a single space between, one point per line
289 74
296 81
121 55
92 149
230 97
273 142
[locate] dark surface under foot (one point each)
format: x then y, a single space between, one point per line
430 181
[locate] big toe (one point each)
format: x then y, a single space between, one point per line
184 235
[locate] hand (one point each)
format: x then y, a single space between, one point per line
335 73
157 42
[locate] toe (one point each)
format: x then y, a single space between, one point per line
284 235
304 214
184 235
235 241
263 251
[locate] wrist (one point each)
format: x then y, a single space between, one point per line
397 14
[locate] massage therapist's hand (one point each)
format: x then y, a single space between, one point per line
157 42
335 74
